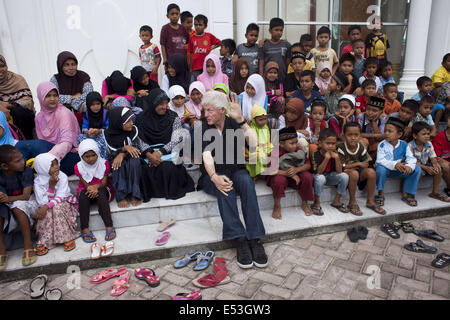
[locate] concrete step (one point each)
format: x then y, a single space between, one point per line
136 244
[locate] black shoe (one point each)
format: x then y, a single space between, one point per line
243 253
362 232
258 253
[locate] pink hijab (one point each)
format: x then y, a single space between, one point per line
321 82
219 77
58 126
190 105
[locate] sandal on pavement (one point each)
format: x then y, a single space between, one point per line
147 275
41 250
163 239
355 210
166 224
317 211
37 286
407 227
27 258
120 286
110 235
88 237
429 234
353 235
389 229
429 249
69 246
188 258
3 261
96 251
410 200
441 261
203 261
341 207
193 295
440 197
379 200
362 232
212 280
106 275
107 249
53 294
377 209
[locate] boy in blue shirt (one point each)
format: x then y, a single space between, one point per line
395 160
306 92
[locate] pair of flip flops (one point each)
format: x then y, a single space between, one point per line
441 261
203 260
219 277
37 289
391 230
429 234
148 276
103 251
358 233
90 238
420 247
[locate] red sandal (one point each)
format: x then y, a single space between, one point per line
211 280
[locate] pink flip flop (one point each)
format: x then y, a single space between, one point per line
162 239
106 275
120 285
147 275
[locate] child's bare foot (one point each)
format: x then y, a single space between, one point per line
306 209
276 213
296 179
135 202
123 204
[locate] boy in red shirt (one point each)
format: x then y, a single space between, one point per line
441 145
200 45
370 89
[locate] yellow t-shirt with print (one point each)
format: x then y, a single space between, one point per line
440 76
308 66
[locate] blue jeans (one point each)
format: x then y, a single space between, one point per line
331 179
410 183
243 186
32 148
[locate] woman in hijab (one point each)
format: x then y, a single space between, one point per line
161 135
240 76
255 93
142 84
16 100
212 72
296 117
122 141
6 136
177 73
56 128
116 85
73 85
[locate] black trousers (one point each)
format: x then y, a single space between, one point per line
84 204
24 120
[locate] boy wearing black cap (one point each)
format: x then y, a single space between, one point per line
395 160
336 87
293 172
372 124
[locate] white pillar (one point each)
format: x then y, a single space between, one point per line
246 13
418 22
438 36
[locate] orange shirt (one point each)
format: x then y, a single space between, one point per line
391 108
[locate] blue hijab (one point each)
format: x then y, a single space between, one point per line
7 137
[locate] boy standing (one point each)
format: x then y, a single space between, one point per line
322 52
354 33
395 160
377 43
249 50
200 45
227 49
371 67
327 169
174 37
306 92
422 148
275 49
149 53
358 52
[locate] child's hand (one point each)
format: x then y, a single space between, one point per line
334 155
291 172
118 161
53 181
154 71
3 198
92 192
437 167
41 213
278 92
407 169
328 155
296 179
400 167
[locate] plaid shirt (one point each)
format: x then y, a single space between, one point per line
423 157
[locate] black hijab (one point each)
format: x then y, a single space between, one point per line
182 77
96 119
117 83
70 85
154 128
115 136
136 75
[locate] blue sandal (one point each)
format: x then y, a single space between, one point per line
188 258
203 261
108 234
90 235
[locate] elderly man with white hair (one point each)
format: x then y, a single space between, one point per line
224 175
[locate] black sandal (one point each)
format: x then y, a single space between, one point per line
341 207
377 209
389 229
317 211
410 200
442 260
379 200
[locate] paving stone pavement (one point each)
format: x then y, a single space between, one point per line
324 267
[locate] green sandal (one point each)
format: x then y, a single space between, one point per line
440 197
379 200
410 200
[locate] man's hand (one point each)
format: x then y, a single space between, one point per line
222 183
235 108
3 198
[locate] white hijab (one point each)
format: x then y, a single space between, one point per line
89 172
175 91
42 164
260 97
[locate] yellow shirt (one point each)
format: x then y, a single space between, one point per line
441 76
322 56
308 66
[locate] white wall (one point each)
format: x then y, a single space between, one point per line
103 34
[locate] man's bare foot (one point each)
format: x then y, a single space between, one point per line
123 204
306 209
276 213
135 202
